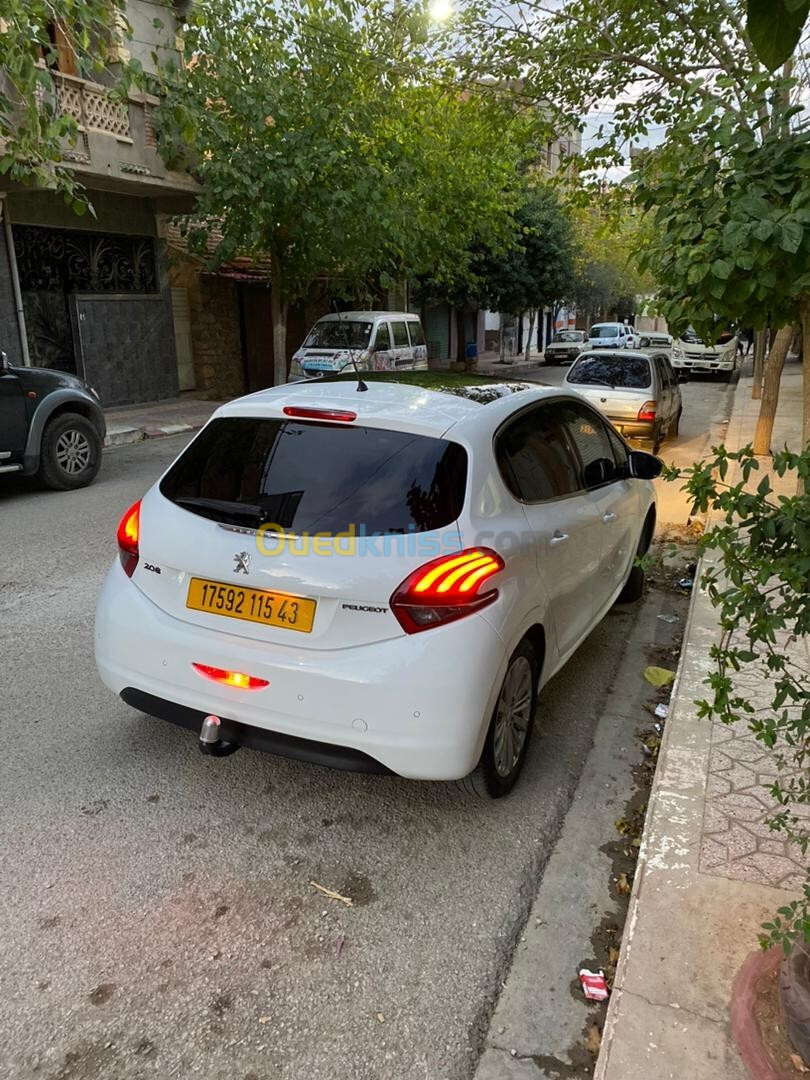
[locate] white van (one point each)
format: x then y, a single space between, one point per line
611 335
372 340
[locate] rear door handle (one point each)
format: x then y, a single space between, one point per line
608 517
557 538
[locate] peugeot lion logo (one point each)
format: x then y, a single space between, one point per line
242 560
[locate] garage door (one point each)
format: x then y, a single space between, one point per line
437 331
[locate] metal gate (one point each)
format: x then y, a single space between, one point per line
125 346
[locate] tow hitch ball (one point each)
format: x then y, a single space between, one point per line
210 741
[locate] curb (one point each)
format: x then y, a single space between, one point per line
128 436
608 1030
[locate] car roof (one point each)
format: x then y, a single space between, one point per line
597 324
349 316
396 404
618 354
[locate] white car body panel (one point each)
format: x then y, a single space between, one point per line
420 704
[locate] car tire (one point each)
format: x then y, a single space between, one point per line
70 452
634 586
509 730
675 426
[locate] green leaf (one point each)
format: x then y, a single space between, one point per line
791 236
721 269
775 29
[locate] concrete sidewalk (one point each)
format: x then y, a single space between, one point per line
709 871
137 422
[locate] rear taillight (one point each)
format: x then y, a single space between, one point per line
344 416
446 589
647 411
231 678
128 532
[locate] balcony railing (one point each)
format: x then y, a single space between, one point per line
91 106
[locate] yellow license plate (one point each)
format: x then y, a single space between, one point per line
252 605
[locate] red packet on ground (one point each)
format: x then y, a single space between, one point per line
593 984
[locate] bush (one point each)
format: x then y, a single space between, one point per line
760 584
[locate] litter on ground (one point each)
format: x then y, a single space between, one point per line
347 900
659 676
593 984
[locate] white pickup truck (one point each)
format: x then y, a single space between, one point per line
691 353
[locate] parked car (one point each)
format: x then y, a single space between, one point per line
656 340
51 426
376 580
638 392
565 346
691 353
367 340
612 335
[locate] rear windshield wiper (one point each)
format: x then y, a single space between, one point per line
598 382
223 508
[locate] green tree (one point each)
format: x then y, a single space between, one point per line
33 129
537 270
690 75
328 136
609 236
732 238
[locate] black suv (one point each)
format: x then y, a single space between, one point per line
51 425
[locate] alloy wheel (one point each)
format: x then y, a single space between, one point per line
73 451
513 712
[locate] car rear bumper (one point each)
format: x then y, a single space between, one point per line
417 705
633 429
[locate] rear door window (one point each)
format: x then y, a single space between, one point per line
318 477
589 435
629 372
417 335
535 457
400 335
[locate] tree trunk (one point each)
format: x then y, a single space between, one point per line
532 317
759 360
278 316
804 313
770 393
503 340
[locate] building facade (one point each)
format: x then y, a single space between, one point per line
91 294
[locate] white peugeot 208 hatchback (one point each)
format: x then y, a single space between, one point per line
375 576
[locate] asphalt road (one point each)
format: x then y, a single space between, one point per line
157 918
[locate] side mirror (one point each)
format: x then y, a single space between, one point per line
643 466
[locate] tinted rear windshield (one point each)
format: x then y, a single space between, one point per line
627 371
318 478
604 331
